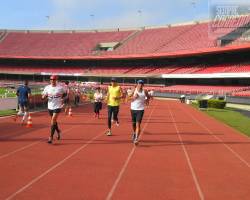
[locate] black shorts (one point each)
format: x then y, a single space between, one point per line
137 115
51 112
23 104
97 105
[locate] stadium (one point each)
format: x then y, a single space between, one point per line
170 56
183 152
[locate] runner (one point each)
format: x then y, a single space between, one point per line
66 99
98 97
114 95
24 95
139 98
54 93
129 94
77 94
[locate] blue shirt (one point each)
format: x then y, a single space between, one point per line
22 93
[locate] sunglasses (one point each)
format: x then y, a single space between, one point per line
52 79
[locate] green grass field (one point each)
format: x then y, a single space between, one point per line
232 118
7 112
8 92
12 92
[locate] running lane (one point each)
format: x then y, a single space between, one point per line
219 155
183 154
158 169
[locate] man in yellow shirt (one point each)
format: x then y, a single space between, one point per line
114 96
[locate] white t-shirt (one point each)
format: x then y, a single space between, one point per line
55 95
139 102
98 97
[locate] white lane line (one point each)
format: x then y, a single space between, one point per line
226 125
9 116
34 143
197 185
18 133
30 145
124 167
220 140
52 168
22 130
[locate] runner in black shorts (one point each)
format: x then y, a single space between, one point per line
55 94
66 98
137 116
139 98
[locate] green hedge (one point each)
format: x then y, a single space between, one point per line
214 103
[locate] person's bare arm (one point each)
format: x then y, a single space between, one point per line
147 97
107 96
44 95
29 94
134 94
121 93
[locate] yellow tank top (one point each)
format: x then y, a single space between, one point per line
114 92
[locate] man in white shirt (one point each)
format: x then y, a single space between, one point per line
54 93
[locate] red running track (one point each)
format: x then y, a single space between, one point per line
183 154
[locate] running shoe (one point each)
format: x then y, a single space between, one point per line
133 137
109 133
50 140
136 141
117 123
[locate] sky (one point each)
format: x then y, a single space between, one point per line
101 14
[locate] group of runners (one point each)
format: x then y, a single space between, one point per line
58 97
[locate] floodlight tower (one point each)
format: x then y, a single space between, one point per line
92 16
140 15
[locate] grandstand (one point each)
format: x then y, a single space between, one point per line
185 58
